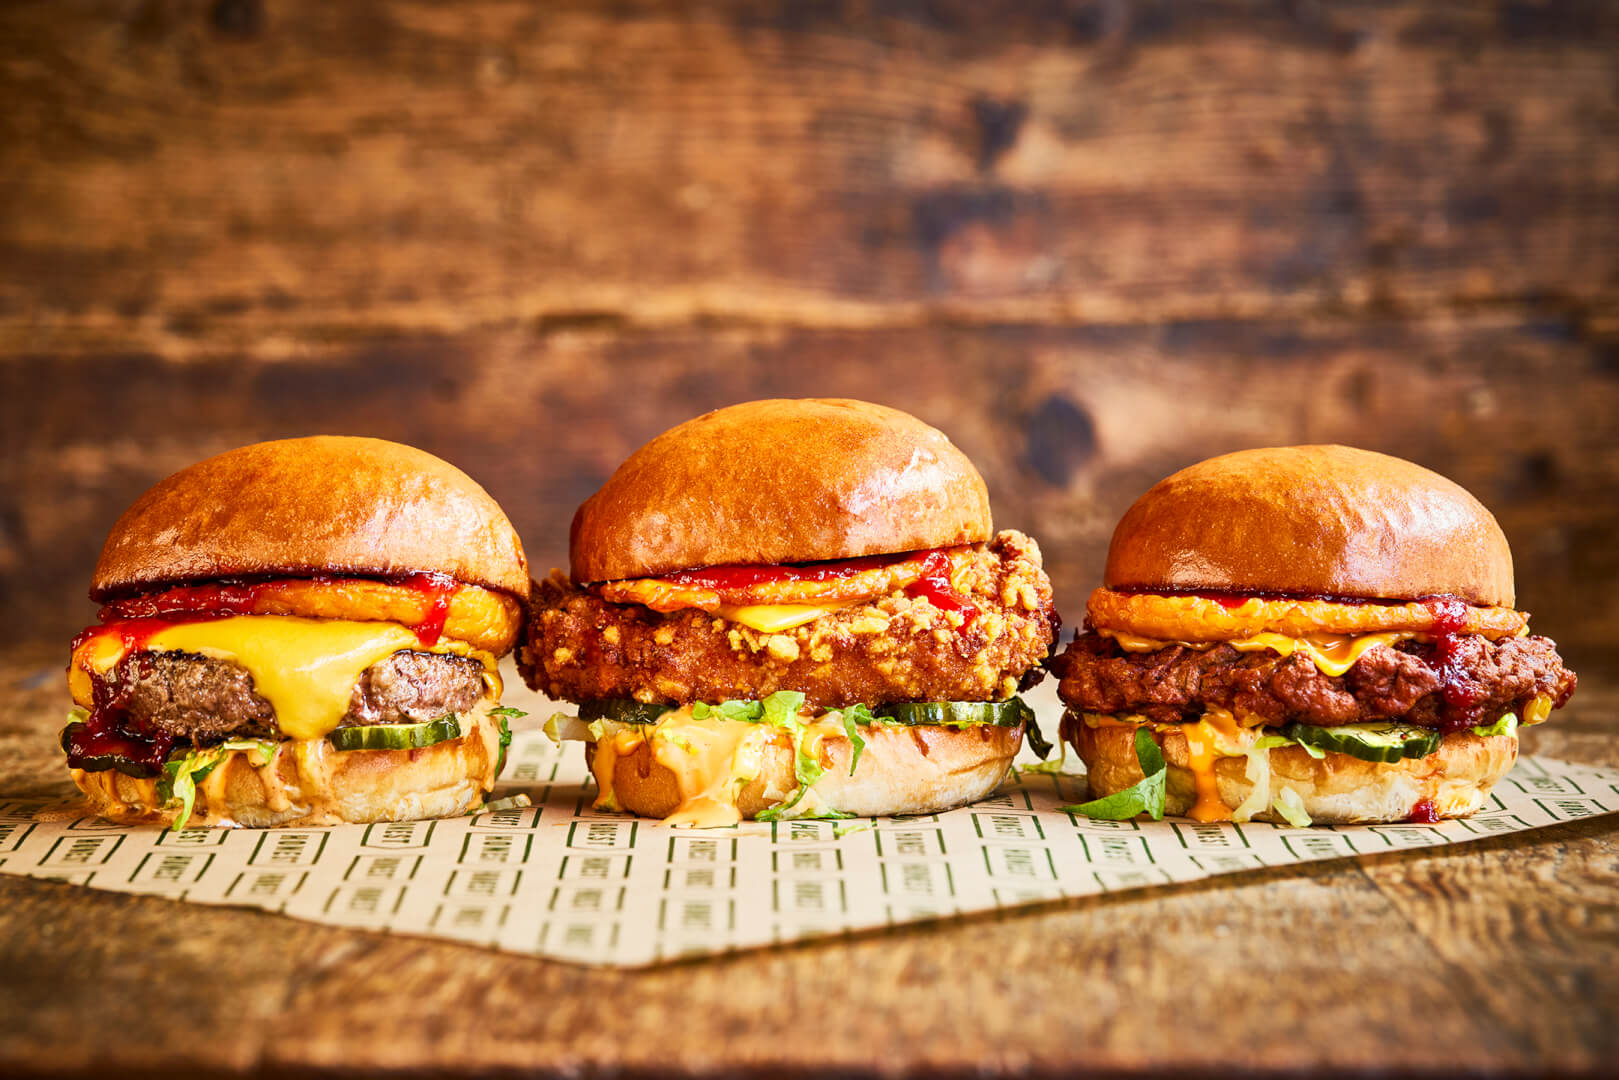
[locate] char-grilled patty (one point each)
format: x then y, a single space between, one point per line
1405 681
207 700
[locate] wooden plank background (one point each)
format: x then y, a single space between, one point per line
1093 241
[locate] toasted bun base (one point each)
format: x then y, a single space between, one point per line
780 481
1327 520
310 783
915 770
1336 790
323 505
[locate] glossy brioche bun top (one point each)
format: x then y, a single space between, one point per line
328 504
1327 520
780 481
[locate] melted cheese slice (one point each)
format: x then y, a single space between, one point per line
774 618
305 668
1334 654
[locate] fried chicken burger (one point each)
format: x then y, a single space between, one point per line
1309 634
300 632
793 608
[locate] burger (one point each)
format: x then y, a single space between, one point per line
300 632
792 608
1304 634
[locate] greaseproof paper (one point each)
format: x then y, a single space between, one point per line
560 880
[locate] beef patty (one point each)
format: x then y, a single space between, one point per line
1406 681
208 700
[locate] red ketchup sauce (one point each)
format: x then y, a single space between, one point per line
1423 813
222 598
1464 698
109 729
934 586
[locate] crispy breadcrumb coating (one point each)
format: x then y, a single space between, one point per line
579 647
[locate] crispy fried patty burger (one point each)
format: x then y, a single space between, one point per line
300 632
1308 633
793 608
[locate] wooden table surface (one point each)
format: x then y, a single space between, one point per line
1499 956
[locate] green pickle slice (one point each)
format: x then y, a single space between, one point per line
624 710
1383 741
395 736
1008 713
103 762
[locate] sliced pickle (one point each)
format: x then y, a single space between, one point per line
1009 713
1382 741
103 762
624 710
395 736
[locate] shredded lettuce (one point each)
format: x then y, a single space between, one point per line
1257 771
501 714
1048 767
1507 725
749 712
1144 797
854 718
178 784
1271 742
1291 809
510 802
780 710
561 726
1032 732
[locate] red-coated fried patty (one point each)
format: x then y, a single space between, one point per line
1407 681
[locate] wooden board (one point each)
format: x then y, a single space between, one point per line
1496 957
180 175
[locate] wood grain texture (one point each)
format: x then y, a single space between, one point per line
1067 424
1493 958
180 174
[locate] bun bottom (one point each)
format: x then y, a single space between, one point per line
1336 789
310 783
902 770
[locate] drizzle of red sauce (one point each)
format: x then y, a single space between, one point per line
109 731
1423 813
934 585
1463 696
222 598
136 632
722 578
440 589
